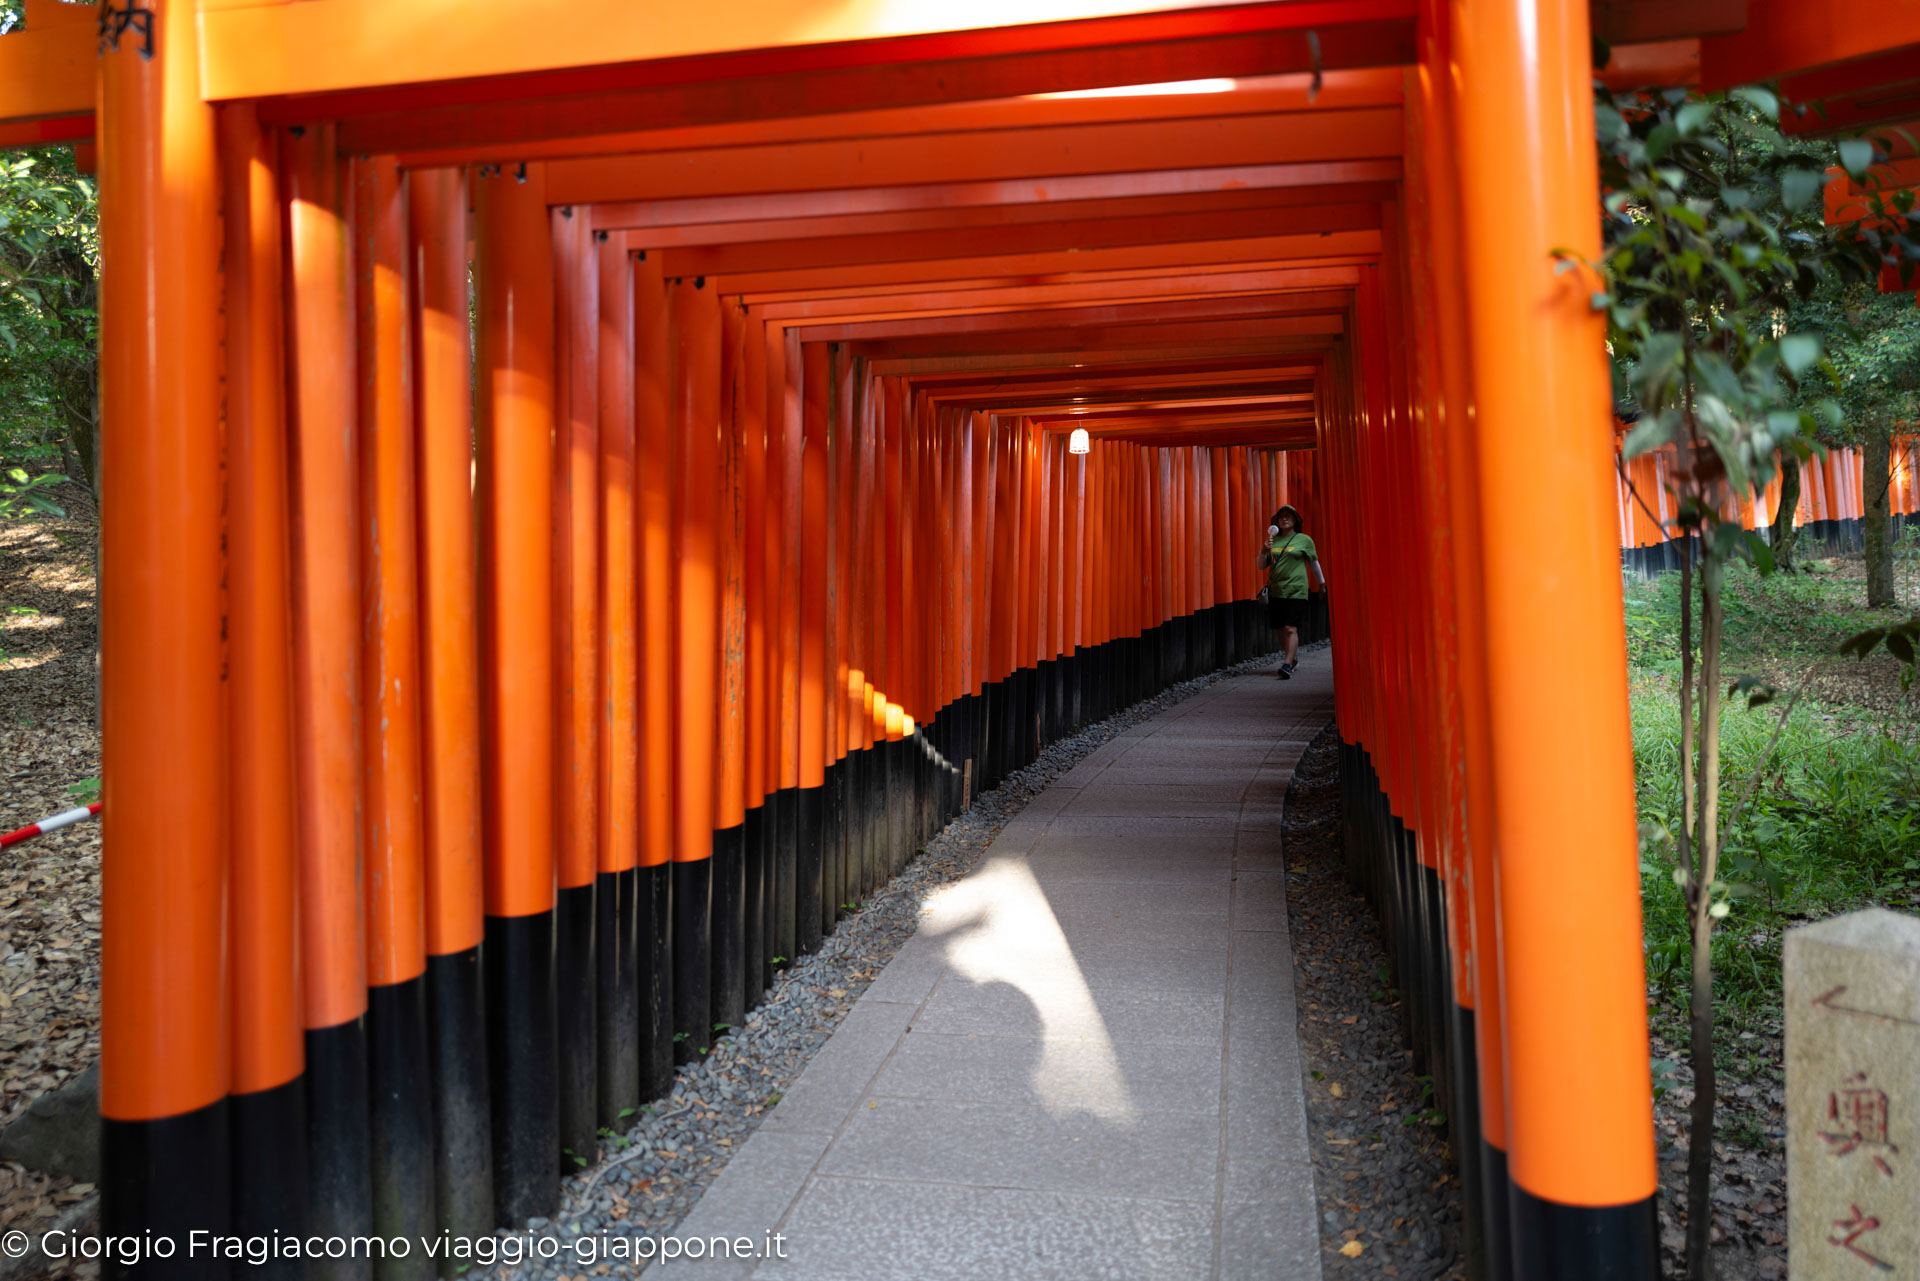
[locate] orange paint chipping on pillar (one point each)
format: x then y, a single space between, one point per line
449 664
390 666
326 584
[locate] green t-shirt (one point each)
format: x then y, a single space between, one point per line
1287 575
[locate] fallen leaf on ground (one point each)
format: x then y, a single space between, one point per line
1352 1249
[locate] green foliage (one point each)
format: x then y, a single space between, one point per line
1834 825
1901 640
22 493
1788 620
49 262
1713 227
1872 341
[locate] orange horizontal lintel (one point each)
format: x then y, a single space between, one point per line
1128 289
1073 315
1656 64
48 71
1363 133
1131 183
1045 358
1358 87
1787 36
1328 248
1050 411
1005 215
1289 436
421 76
1264 335
1074 235
1090 379
42 133
1299 273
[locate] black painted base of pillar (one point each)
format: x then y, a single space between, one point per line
653 890
753 959
729 995
463 1135
1584 1242
576 968
1463 1128
339 1149
522 1067
269 1170
810 820
692 959
782 915
401 1116
168 1178
617 998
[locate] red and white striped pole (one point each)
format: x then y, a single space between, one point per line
66 818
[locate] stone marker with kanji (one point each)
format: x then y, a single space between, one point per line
1853 1096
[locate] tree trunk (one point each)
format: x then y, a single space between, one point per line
1783 533
1700 1122
1876 486
1700 903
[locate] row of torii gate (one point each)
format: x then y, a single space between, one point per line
585 491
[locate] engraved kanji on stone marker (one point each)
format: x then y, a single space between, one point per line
1857 1119
1852 1006
1857 1225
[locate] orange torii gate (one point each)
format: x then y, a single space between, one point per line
484 724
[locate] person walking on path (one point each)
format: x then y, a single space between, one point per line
1285 557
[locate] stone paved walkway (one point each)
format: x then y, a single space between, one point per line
1084 1065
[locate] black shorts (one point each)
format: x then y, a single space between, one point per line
1287 611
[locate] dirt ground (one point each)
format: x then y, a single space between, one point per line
50 886
1780 650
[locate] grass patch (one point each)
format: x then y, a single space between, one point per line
1775 621
1835 822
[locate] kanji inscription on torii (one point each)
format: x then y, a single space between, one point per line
1853 1088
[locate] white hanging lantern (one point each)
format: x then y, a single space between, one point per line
1077 443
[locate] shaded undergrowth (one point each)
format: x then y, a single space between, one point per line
1833 819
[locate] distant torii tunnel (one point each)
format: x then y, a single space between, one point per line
586 493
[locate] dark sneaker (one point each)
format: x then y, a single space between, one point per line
1285 675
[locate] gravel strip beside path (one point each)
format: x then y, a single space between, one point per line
1385 1176
652 1175
1389 1201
